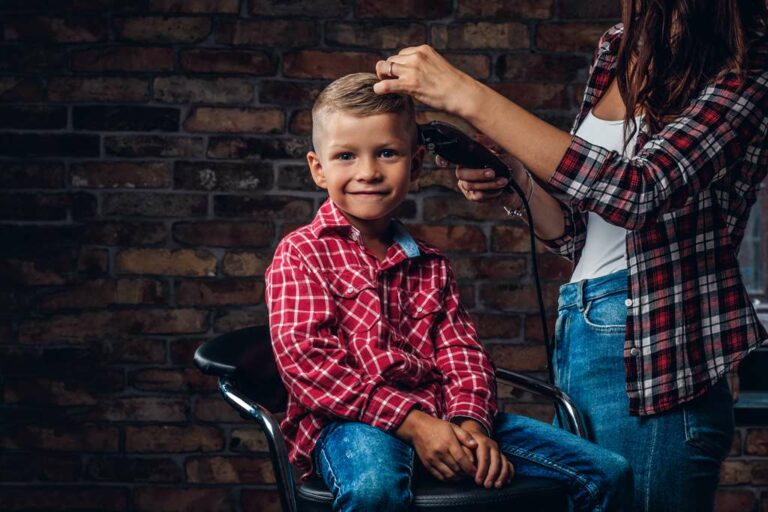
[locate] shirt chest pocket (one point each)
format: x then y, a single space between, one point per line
422 310
357 300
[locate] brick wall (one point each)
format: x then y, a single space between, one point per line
151 156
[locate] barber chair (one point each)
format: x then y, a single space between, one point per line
244 363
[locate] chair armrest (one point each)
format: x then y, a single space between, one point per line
280 462
561 400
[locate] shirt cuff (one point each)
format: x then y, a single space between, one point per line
458 419
579 169
470 407
387 408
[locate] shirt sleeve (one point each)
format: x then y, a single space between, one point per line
675 164
311 359
469 380
574 236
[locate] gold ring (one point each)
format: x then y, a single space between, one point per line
391 63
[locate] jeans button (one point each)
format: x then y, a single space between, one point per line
628 302
634 351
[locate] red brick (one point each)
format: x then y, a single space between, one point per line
757 442
244 264
238 319
168 379
734 501
219 292
56 30
179 89
124 233
570 37
137 350
102 292
15 175
21 89
48 391
86 326
248 440
123 59
64 498
533 330
520 358
247 470
450 238
36 272
26 467
491 325
288 93
554 268
225 234
233 120
518 297
152 146
269 207
120 175
270 33
173 439
316 8
229 176
183 351
736 444
301 122
98 89
71 439
452 207
506 9
175 499
513 238
323 64
260 501
162 29
136 409
375 35
735 472
216 410
93 262
203 60
537 67
488 267
476 66
179 262
403 9
590 9
481 34
195 6
533 96
257 148
129 469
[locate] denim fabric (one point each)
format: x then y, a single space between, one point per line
676 455
367 469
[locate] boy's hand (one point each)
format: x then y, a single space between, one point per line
493 468
444 449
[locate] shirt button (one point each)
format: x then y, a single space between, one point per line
350 289
419 309
628 302
634 351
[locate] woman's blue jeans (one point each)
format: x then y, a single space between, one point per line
676 455
367 469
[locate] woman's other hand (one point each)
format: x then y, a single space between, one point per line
426 76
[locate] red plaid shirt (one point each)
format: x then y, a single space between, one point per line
685 198
361 340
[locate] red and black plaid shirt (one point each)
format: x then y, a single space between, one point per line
361 340
685 198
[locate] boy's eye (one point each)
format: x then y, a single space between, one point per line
388 153
344 156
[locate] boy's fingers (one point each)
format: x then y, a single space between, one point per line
443 469
482 464
504 473
493 468
463 436
464 462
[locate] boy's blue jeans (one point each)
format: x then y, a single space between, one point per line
676 455
367 469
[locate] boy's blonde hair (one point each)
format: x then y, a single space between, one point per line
353 94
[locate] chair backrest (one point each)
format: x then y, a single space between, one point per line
245 357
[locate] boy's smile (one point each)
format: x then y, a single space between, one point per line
366 163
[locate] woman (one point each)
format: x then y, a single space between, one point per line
649 196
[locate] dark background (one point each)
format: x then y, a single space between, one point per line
151 157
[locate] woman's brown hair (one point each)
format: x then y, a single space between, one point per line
677 47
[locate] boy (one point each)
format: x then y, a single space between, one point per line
380 359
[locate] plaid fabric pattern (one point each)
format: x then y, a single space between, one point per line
685 199
361 340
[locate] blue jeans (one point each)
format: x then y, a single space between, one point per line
675 455
368 469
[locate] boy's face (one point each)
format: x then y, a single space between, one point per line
366 164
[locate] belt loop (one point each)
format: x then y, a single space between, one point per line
580 295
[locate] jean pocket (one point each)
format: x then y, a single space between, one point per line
607 313
709 423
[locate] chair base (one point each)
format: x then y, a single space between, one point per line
522 495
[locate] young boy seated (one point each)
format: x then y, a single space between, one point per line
381 361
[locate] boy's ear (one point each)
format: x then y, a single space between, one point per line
417 161
316 169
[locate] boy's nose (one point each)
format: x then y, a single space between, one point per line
368 171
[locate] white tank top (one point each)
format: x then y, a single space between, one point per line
605 249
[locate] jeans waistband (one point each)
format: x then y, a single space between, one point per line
580 292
